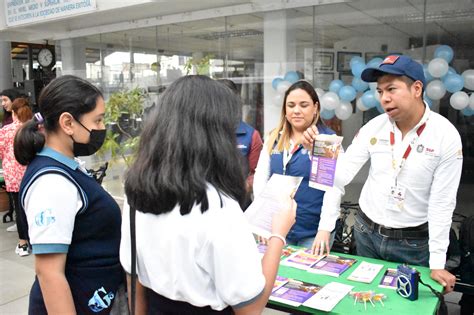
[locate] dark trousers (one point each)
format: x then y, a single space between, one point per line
20 217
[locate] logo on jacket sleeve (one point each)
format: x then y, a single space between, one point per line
45 218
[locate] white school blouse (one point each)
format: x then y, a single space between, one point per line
208 258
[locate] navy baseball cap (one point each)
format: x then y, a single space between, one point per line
396 65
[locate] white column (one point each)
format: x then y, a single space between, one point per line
73 57
279 57
5 66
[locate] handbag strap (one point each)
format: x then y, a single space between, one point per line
133 247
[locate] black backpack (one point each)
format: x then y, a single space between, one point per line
466 242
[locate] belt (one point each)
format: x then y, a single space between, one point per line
415 232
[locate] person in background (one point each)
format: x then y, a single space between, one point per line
73 223
195 251
249 143
284 154
7 97
408 199
13 171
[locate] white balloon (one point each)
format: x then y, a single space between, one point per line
283 86
459 100
278 100
438 67
344 110
330 100
373 86
320 92
435 90
471 101
360 105
468 77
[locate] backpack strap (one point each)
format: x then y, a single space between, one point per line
133 248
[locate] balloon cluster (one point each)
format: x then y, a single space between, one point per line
282 84
442 78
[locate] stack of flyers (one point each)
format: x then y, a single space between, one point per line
279 282
332 265
389 279
328 297
302 259
294 292
365 272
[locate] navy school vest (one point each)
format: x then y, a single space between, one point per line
93 267
309 200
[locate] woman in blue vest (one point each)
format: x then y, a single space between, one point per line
283 154
73 223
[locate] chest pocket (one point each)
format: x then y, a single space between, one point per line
380 160
420 167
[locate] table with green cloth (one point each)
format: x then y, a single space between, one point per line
427 302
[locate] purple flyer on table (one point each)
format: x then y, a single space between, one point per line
295 292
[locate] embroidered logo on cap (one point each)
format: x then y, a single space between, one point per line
390 60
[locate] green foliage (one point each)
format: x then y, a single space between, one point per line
200 64
124 102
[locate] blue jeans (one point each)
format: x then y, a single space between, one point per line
370 243
308 241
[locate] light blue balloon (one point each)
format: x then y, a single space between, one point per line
291 76
275 82
356 59
374 63
359 84
369 100
347 93
380 108
428 101
335 85
428 76
327 114
451 70
357 69
453 82
445 52
467 111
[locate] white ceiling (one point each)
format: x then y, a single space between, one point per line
451 24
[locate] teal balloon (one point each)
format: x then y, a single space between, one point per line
291 76
453 82
369 100
467 111
356 59
327 114
428 75
380 108
359 84
445 52
428 101
347 93
335 86
275 82
374 63
357 69
451 70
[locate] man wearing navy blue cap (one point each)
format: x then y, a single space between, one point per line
415 156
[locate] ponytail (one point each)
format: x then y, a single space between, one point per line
28 141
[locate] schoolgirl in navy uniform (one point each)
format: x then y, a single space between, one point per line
283 154
73 223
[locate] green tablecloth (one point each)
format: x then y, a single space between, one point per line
427 303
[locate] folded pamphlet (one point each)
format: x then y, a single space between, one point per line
324 156
365 272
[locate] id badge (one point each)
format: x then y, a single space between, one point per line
396 198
